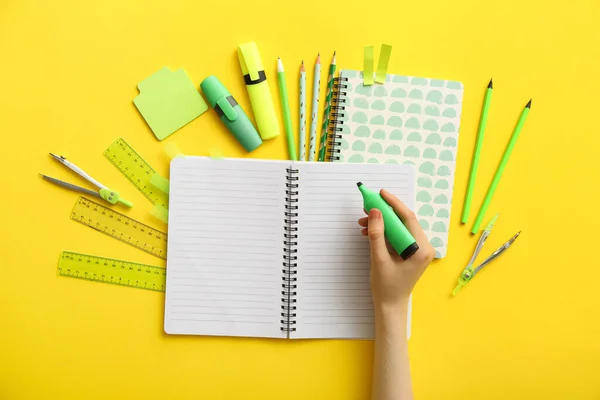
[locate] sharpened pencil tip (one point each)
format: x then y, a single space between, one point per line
529 104
490 85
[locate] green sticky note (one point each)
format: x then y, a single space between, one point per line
382 65
168 100
368 65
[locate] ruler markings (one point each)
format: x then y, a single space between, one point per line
136 170
107 270
120 227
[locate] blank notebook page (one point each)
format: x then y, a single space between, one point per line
225 249
333 295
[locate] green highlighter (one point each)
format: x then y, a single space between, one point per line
230 113
395 231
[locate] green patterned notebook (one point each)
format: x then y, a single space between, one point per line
407 120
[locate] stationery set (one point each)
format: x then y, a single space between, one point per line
266 248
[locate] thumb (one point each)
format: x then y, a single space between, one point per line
379 250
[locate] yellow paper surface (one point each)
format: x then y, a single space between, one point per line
369 56
216 154
525 328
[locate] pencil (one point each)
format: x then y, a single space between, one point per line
327 110
315 109
500 169
302 131
285 106
475 162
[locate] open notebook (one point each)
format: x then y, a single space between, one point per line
272 248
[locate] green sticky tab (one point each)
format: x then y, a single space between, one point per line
384 61
173 150
160 183
368 65
161 213
216 154
169 100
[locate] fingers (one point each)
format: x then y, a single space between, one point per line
379 251
406 215
363 222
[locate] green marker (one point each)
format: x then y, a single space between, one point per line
285 105
478 142
500 170
230 112
395 231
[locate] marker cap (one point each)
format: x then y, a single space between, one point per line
230 113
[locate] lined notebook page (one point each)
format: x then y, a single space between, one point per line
225 250
333 295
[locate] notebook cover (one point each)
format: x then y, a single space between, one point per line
407 120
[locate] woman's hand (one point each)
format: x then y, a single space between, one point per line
392 281
392 278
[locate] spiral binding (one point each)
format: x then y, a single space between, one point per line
338 112
290 243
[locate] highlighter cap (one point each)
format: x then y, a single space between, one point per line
250 60
213 90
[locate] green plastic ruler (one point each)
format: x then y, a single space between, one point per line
120 227
100 269
137 170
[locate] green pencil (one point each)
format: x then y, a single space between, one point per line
285 105
500 169
327 110
478 142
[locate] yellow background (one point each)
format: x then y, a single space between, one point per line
526 328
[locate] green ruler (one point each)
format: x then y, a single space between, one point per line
107 270
120 227
137 170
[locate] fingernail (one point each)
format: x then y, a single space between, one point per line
374 214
